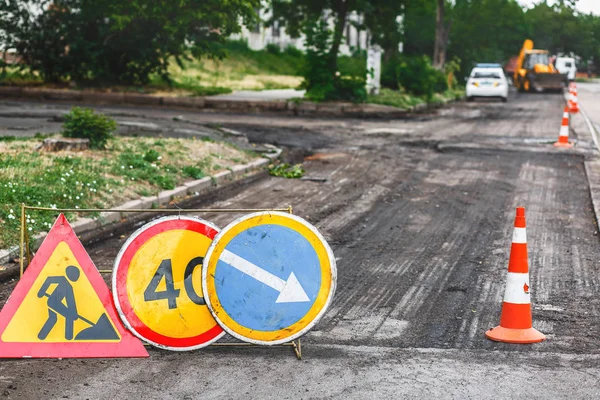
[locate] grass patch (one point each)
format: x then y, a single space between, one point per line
241 69
395 98
285 170
14 76
448 95
585 80
127 169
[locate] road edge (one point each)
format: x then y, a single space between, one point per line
592 170
288 107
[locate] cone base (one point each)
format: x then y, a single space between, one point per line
507 335
563 145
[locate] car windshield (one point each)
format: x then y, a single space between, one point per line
486 75
536 58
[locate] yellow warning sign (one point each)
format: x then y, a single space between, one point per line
61 306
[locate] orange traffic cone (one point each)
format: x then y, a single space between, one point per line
573 102
563 136
515 322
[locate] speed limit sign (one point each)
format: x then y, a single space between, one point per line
157 283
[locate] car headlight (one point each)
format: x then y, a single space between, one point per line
475 83
496 84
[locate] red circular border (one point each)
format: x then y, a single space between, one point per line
121 287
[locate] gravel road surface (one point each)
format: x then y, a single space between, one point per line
419 213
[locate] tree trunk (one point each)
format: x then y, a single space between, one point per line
338 33
441 36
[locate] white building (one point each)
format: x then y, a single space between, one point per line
261 36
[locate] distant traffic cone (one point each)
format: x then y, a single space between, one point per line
515 323
573 102
563 136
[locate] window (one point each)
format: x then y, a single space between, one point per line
486 75
532 60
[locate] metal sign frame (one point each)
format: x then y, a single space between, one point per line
24 246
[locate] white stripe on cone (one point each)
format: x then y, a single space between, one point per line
564 131
519 235
517 288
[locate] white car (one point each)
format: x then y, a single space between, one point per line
566 66
487 82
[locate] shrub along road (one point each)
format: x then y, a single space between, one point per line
419 213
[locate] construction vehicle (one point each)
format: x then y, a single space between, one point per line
535 72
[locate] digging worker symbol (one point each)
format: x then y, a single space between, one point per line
62 301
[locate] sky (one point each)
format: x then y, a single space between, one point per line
584 6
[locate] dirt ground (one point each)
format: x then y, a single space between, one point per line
419 213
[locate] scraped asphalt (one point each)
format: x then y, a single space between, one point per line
419 214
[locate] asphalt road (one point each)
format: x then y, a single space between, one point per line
419 214
588 95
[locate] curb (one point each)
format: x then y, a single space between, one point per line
113 220
304 108
592 167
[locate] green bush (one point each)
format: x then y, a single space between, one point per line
417 76
320 82
84 123
389 72
293 52
273 48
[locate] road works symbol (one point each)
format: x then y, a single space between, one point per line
62 301
268 277
157 283
62 308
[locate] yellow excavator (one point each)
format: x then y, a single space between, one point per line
535 72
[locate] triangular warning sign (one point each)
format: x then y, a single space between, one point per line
61 307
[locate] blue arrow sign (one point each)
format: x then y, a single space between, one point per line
267 277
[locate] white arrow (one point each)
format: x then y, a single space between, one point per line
289 292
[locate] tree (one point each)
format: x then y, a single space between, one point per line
382 18
114 41
300 16
419 27
323 23
442 31
486 31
